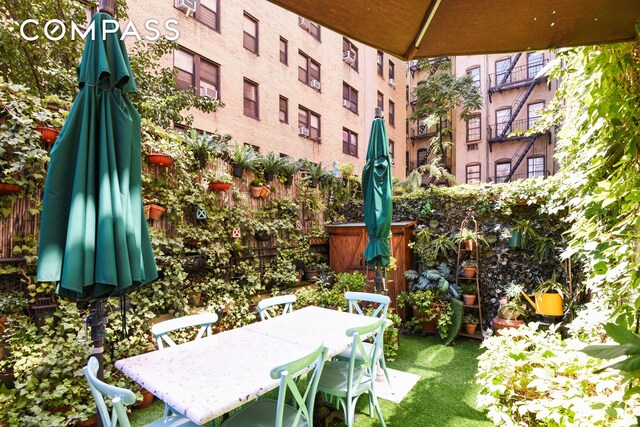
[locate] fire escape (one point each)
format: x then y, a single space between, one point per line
512 78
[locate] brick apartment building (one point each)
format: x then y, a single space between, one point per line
492 146
288 85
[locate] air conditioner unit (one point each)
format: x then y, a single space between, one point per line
303 22
392 82
303 131
187 6
210 92
348 57
346 103
315 83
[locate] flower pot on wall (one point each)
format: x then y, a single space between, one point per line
219 186
255 191
8 189
154 211
237 171
159 159
289 181
268 176
265 192
313 183
515 241
261 236
48 134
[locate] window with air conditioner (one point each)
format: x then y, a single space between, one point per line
209 92
350 53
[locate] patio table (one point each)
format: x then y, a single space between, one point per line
207 378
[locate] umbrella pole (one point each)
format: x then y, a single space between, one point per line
378 278
97 321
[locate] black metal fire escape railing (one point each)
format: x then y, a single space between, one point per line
520 155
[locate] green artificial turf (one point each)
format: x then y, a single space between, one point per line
444 396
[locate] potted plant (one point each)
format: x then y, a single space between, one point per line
469 293
256 186
469 266
241 157
511 311
219 180
315 172
50 124
153 210
288 170
470 322
346 169
200 148
521 232
270 164
262 231
470 238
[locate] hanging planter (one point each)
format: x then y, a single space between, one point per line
8 189
159 159
255 191
219 186
48 134
288 181
153 211
265 192
515 241
261 236
268 176
237 171
313 183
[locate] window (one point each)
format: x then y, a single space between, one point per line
309 120
392 71
190 67
284 110
284 51
347 46
473 173
314 30
503 170
184 63
423 154
535 167
255 147
502 120
380 101
533 113
350 95
308 69
380 63
472 147
392 151
349 142
250 40
502 71
251 106
535 62
473 128
207 13
474 73
392 113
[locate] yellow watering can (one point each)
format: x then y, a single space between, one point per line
546 304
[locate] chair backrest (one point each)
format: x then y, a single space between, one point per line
306 400
119 397
161 330
285 300
369 355
355 297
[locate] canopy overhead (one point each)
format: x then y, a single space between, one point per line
431 28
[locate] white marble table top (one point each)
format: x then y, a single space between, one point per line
206 378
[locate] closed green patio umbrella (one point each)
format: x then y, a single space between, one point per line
377 193
94 240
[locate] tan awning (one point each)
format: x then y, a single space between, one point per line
430 28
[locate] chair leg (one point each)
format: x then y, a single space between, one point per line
378 410
383 365
370 405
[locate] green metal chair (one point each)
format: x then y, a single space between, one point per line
380 312
161 332
347 381
120 397
268 412
285 300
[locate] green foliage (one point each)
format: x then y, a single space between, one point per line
533 377
346 169
470 319
628 344
451 323
243 156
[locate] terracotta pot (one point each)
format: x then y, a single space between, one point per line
47 134
255 191
147 399
158 159
264 193
154 211
89 422
6 189
500 324
470 271
219 186
469 299
429 326
470 328
469 245
310 274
